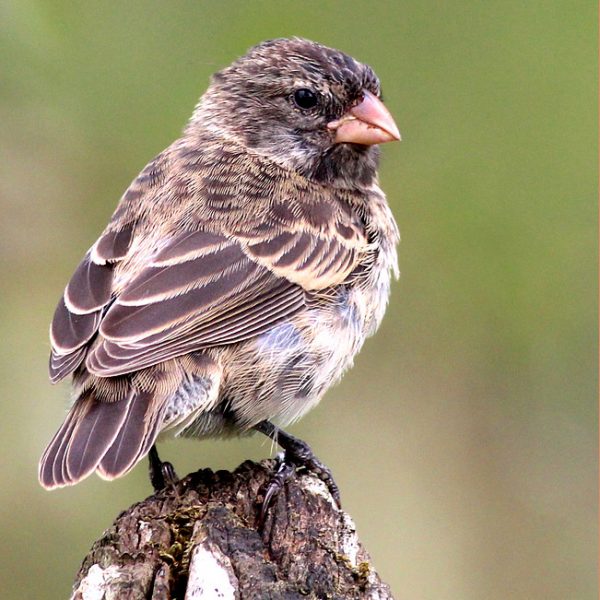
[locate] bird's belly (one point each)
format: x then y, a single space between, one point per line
284 373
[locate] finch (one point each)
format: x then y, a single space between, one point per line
239 275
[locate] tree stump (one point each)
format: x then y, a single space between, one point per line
202 540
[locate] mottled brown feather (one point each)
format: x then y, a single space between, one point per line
93 434
181 297
126 448
297 259
79 312
50 468
113 244
90 287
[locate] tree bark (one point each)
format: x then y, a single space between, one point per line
202 540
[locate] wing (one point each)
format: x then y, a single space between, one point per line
90 290
206 289
79 312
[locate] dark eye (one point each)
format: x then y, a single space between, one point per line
305 99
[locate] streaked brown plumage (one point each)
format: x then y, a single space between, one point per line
241 271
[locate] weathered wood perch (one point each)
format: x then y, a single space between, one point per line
202 541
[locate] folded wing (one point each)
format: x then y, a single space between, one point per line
203 289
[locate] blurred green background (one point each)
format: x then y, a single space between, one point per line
464 440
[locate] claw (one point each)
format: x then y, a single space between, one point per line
285 470
298 455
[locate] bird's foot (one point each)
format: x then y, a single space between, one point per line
162 474
298 456
299 453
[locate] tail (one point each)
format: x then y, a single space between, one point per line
107 437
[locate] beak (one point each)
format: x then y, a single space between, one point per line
367 123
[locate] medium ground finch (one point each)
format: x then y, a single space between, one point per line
239 274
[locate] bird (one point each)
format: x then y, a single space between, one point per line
239 275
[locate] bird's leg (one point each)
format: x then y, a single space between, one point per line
162 473
297 455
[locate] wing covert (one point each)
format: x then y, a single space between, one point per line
201 290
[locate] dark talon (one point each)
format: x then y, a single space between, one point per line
297 455
162 474
285 470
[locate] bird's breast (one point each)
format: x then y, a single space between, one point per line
289 368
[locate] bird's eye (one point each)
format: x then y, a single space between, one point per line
305 99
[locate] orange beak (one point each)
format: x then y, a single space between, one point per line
367 123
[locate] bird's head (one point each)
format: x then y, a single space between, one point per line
308 108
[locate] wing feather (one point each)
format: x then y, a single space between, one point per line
131 322
236 301
300 257
113 245
119 358
205 289
166 281
69 331
89 288
88 293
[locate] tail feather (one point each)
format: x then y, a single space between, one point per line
94 435
81 442
139 428
153 429
59 468
107 437
50 469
